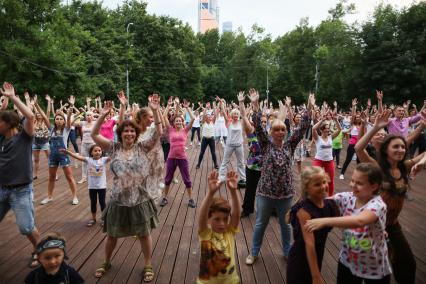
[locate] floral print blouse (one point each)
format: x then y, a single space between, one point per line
276 180
130 172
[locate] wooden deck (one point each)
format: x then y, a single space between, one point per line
175 243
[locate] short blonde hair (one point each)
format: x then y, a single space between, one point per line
235 111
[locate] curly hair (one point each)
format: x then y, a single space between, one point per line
123 125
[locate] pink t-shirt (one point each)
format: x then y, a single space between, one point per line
107 129
177 143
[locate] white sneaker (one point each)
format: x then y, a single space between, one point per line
199 143
341 177
175 180
161 185
250 259
75 201
190 144
83 180
46 200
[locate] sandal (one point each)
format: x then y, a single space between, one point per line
33 263
148 274
102 269
90 223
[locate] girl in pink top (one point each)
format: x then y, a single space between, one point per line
107 128
177 156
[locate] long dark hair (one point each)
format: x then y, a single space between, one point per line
386 166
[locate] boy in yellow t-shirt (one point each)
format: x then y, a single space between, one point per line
217 224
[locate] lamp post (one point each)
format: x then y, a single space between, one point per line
127 64
267 85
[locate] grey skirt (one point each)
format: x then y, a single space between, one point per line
123 221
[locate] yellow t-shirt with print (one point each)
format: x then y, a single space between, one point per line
217 262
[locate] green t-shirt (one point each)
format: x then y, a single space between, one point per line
338 141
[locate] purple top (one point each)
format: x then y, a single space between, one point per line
401 126
276 180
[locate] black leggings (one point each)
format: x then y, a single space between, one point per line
93 193
345 276
349 155
252 179
204 143
73 138
336 155
166 150
193 130
400 255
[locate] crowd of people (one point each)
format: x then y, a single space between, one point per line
143 147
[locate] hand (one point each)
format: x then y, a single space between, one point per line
213 182
48 99
88 99
369 103
185 104
232 181
335 104
314 224
379 95
170 101
354 102
417 168
8 90
107 107
154 102
27 96
71 100
63 151
382 119
122 98
254 96
177 100
288 101
240 97
311 100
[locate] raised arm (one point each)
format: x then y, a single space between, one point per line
382 120
315 129
379 95
203 217
416 133
9 92
123 105
353 110
231 184
96 136
43 115
4 103
338 130
248 128
191 114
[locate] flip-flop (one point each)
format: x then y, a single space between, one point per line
102 269
148 274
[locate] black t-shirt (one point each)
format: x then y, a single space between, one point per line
65 275
16 165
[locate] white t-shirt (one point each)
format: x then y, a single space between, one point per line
96 173
235 134
196 122
364 250
324 149
208 130
87 130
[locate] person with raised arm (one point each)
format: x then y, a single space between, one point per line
16 178
58 140
391 157
324 152
131 211
276 187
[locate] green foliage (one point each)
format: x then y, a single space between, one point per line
84 49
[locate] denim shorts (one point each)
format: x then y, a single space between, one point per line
41 147
20 200
58 160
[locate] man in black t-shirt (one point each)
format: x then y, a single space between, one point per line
16 191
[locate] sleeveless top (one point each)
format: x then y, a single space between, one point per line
324 149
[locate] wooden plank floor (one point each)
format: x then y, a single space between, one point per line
175 243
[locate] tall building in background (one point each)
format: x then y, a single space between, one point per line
227 27
208 15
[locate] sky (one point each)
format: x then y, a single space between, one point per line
276 16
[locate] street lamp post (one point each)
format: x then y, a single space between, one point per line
267 85
127 64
